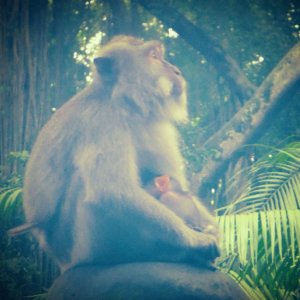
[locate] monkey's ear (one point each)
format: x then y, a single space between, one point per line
106 67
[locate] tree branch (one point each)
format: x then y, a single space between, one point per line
248 122
198 39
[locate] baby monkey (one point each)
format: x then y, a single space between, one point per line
186 206
168 191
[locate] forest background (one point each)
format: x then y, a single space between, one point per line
241 59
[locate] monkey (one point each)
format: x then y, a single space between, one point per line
169 192
84 198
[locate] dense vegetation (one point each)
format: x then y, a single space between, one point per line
241 59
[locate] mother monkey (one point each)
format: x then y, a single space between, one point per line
84 193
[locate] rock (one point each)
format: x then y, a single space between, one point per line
144 281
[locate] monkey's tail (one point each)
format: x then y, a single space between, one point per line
21 229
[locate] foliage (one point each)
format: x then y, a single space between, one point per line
10 202
19 277
25 270
261 227
11 191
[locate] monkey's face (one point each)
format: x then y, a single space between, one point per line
137 71
169 78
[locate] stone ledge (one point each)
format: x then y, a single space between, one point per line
159 281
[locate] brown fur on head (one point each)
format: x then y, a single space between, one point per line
138 76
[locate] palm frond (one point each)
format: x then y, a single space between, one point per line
260 228
10 201
274 183
278 229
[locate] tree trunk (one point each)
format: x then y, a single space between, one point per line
23 74
125 17
119 17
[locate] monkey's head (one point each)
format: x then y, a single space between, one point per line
140 80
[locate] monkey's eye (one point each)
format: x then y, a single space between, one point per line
156 53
